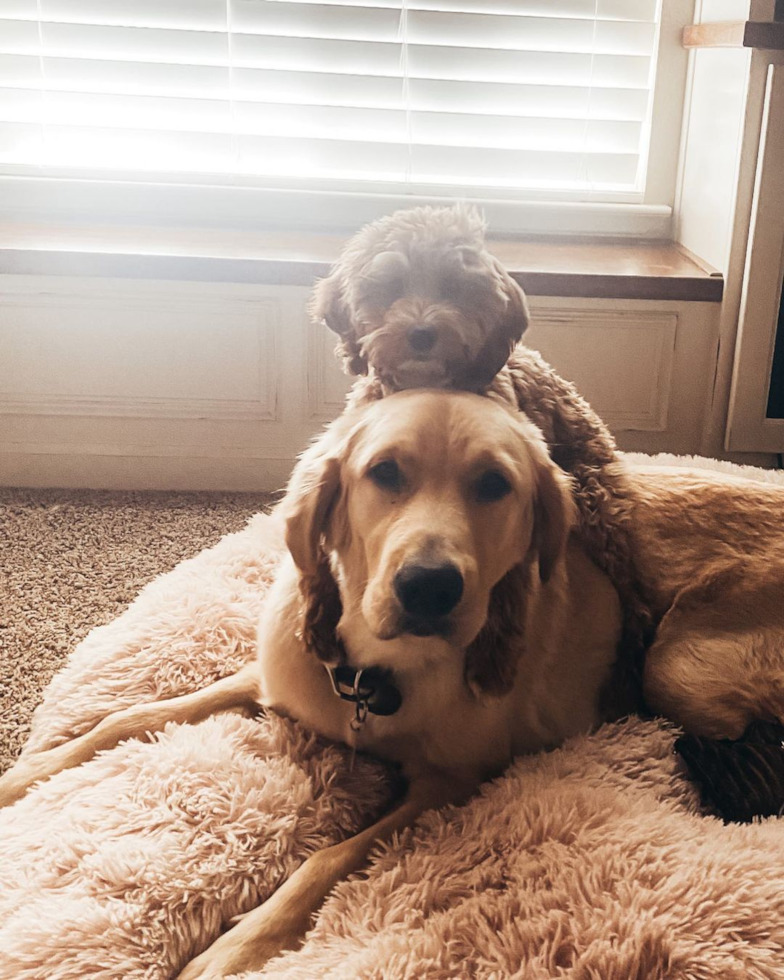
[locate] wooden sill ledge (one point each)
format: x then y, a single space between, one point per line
766 35
597 269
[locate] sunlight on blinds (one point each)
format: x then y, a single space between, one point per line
518 94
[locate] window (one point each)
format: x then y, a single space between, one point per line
522 100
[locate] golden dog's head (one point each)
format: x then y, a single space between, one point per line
435 507
417 298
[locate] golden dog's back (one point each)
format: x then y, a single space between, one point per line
689 523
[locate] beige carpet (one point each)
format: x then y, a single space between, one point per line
71 560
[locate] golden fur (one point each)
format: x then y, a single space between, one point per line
430 267
710 547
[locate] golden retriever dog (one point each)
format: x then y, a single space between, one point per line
417 300
450 534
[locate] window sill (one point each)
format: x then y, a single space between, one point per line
589 269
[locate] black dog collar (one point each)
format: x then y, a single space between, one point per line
370 689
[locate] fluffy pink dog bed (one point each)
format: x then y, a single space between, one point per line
589 862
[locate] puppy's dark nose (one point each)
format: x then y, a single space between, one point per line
429 591
422 339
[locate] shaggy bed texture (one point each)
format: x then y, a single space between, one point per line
593 861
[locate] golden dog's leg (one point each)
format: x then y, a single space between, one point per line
241 689
282 921
717 663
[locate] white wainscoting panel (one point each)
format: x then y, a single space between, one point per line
647 367
620 360
145 353
137 383
328 384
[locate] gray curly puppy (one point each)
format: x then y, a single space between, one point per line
417 301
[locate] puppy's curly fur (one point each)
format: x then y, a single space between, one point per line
418 301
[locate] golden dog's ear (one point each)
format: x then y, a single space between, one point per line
328 307
554 514
308 507
322 608
504 335
311 495
491 660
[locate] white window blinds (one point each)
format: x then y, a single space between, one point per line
524 95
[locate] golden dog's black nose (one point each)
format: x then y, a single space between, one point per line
428 591
422 339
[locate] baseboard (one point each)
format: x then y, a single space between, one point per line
143 472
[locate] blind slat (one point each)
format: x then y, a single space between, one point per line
200 15
212 14
165 82
363 91
281 156
320 122
429 27
211 48
320 54
602 9
461 64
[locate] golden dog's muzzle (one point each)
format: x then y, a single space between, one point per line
428 592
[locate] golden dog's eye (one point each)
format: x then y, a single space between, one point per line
386 475
491 486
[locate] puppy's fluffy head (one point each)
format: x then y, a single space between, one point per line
417 299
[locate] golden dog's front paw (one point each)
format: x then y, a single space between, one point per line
33 768
245 947
14 784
